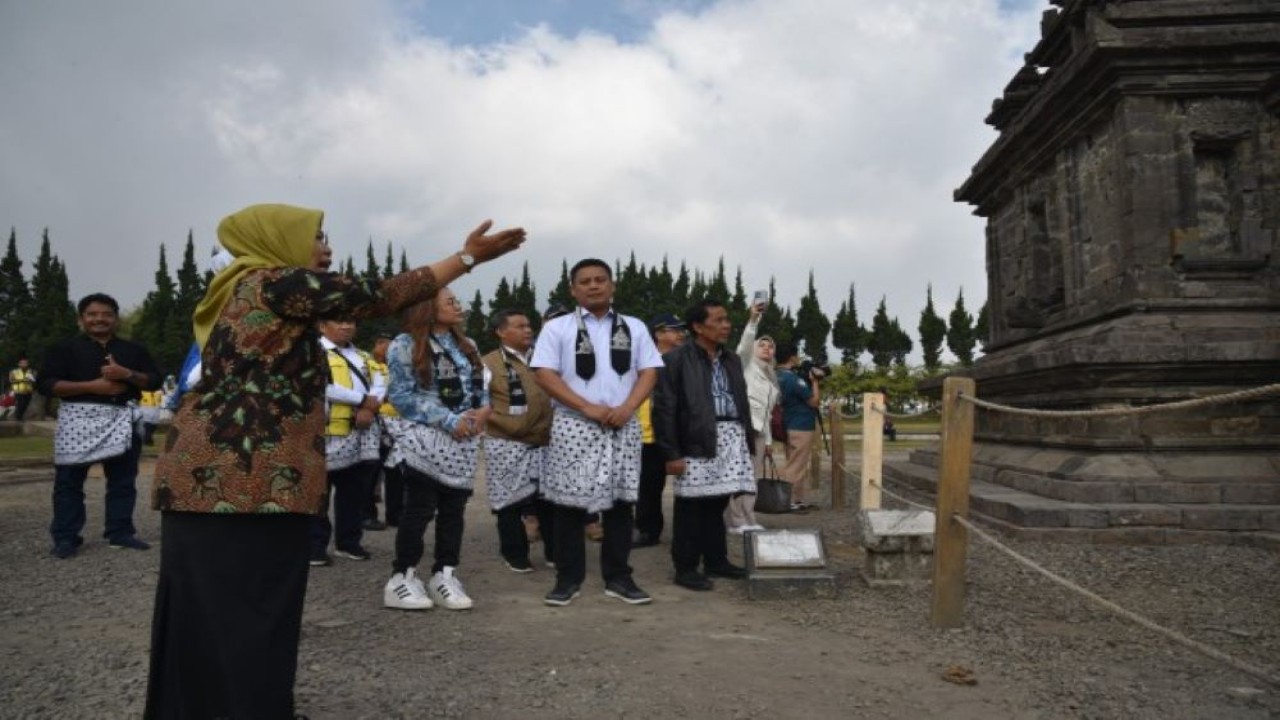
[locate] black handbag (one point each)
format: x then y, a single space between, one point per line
773 495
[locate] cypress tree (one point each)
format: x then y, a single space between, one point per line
812 327
847 334
771 321
900 345
52 314
15 307
738 310
372 271
524 298
881 341
157 322
960 335
933 331
388 266
476 325
680 291
560 293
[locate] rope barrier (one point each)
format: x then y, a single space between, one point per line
1174 635
1142 410
1129 615
900 416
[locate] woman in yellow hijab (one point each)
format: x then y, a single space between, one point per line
244 470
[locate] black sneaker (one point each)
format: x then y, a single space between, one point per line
353 553
562 594
373 524
727 570
694 580
321 559
63 550
520 565
627 591
130 542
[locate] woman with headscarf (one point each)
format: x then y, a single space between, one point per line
762 395
244 465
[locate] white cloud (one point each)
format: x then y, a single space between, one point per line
783 136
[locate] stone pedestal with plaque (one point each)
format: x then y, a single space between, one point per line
898 546
787 563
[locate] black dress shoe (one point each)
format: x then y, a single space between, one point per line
373 524
694 580
727 570
644 540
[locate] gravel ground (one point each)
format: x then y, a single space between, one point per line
74 636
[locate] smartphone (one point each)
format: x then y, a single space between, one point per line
760 298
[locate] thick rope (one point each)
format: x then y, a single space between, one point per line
1174 635
1141 410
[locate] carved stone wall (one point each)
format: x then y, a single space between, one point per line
1133 207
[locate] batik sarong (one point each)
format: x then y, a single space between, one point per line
727 473
89 432
591 466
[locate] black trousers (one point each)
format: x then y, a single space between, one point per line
425 499
513 541
224 635
21 400
653 480
697 534
392 493
346 486
571 545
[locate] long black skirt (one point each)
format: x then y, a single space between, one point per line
224 637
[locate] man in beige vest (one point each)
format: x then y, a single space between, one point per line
517 431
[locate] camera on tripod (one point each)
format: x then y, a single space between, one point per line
814 367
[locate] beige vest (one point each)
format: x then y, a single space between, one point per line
534 426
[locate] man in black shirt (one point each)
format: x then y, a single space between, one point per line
99 379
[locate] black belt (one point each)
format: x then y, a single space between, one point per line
726 419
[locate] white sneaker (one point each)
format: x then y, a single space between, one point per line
755 526
446 590
404 591
739 529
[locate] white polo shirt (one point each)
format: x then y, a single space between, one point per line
555 346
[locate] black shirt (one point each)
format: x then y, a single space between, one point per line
81 358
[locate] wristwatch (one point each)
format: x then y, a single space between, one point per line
468 261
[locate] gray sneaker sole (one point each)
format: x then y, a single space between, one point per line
630 601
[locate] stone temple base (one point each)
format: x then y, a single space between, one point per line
1119 496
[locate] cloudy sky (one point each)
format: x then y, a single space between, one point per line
782 135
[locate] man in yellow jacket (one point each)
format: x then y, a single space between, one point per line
22 382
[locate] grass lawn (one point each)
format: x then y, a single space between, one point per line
33 447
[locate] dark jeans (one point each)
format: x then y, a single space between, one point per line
393 493
571 545
427 498
122 494
697 533
22 400
346 486
513 541
653 480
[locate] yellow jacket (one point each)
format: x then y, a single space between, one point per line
342 417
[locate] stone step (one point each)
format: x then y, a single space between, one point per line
1256 489
1028 511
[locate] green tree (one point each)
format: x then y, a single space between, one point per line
960 335
157 325
53 317
524 297
981 328
476 325
372 271
560 293
15 308
388 266
881 340
501 299
933 330
812 326
847 334
900 345
680 290
739 313
718 287
771 321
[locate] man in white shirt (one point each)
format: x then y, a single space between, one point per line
598 366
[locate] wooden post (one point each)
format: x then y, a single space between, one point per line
837 458
872 449
950 538
815 460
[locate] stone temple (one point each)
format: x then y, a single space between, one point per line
1132 201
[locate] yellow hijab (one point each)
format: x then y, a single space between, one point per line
259 236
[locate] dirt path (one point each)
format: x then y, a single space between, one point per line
73 638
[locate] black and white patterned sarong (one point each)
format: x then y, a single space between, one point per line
511 471
590 466
728 472
357 446
89 432
434 452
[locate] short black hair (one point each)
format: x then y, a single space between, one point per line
699 311
498 320
783 352
103 298
589 262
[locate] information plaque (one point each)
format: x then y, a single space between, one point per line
787 549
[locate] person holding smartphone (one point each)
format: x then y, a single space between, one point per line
756 354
